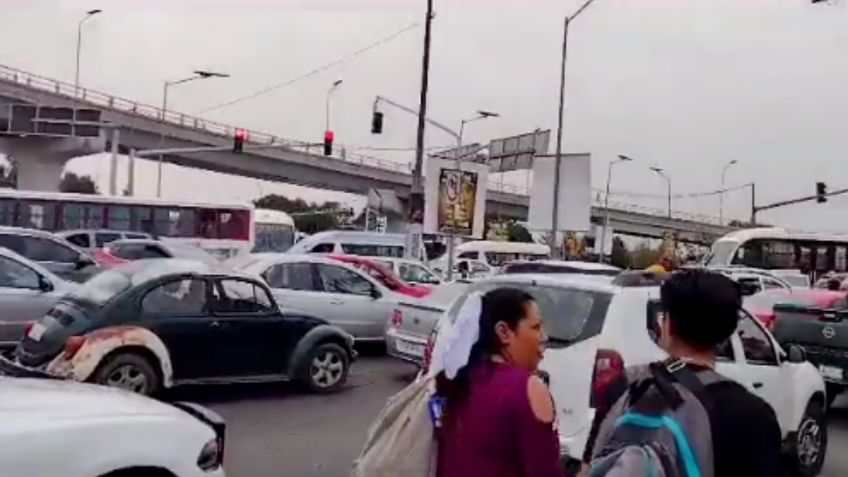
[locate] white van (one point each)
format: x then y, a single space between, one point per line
352 242
495 254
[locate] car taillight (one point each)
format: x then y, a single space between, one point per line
428 352
397 318
72 345
609 367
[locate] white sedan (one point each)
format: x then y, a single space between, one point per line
53 427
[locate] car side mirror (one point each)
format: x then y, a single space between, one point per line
375 294
83 262
748 289
796 354
44 284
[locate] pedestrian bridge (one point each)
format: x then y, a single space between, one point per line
144 127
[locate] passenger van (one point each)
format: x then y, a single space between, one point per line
353 242
495 254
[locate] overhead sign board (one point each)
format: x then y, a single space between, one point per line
517 152
468 153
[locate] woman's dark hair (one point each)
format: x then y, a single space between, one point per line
506 305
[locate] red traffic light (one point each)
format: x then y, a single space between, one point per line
238 140
329 136
328 143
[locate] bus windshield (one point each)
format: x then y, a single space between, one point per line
721 253
273 237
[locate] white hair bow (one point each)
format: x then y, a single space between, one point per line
454 350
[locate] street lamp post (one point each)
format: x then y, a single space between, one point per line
621 158
721 193
198 75
330 92
662 174
560 125
481 115
88 15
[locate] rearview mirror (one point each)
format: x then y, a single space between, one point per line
749 288
375 294
44 284
83 262
797 354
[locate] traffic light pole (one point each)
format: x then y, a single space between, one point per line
755 209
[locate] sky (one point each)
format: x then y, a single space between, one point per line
685 85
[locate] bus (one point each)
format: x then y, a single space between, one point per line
224 230
274 231
780 249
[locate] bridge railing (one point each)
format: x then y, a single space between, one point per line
117 103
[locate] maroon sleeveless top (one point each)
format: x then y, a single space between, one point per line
494 433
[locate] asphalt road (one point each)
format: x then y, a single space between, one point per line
279 430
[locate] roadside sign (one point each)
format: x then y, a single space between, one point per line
516 152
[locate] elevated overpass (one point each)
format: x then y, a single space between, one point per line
147 127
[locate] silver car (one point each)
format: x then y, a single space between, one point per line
326 289
27 292
51 252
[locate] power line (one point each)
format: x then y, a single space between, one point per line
343 59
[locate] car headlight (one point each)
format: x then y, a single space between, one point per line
212 455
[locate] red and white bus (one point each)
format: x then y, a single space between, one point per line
224 230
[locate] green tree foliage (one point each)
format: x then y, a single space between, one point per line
78 184
518 233
329 215
620 256
644 256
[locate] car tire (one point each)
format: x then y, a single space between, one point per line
129 371
809 447
325 368
833 391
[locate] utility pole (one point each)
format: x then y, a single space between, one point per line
415 217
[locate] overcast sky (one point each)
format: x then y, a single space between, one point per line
687 85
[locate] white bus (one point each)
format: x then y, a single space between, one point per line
274 231
779 249
223 230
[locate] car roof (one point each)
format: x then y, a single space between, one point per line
567 263
150 241
558 281
67 233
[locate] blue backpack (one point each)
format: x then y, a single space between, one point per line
660 427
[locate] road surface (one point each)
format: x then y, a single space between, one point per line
276 430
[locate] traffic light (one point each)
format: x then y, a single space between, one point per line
377 123
328 143
238 140
821 192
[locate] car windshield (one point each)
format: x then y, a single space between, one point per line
721 253
798 281
108 284
569 314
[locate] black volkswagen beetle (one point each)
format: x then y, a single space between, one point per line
155 324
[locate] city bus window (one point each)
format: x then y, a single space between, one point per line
36 215
7 212
94 216
72 216
823 262
234 224
119 217
840 259
779 254
141 219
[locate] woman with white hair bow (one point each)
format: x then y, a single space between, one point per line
497 417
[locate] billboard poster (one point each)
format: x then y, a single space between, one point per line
455 199
575 194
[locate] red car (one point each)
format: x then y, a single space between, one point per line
762 304
383 275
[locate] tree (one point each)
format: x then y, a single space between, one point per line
518 233
309 217
78 184
620 256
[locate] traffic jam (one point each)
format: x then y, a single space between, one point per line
98 324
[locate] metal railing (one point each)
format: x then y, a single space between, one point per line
181 120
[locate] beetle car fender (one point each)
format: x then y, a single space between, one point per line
100 343
311 339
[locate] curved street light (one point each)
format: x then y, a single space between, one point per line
88 15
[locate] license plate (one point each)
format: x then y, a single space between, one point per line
413 349
831 372
36 332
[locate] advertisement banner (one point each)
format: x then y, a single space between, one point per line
455 199
575 194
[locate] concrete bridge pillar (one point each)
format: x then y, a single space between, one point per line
40 160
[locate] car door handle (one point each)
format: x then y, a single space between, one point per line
336 302
758 385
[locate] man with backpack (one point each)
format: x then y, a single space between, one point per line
679 417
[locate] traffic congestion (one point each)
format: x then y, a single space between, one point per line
423 238
147 315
